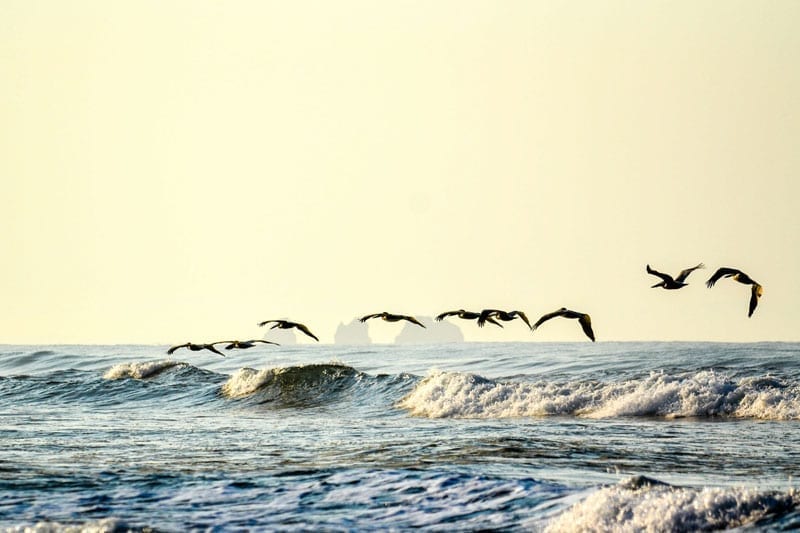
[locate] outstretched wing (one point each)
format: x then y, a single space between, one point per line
412 320
721 272
755 293
171 350
441 317
305 330
665 277
485 314
268 321
367 317
210 347
265 342
493 321
547 317
586 324
230 344
685 273
523 317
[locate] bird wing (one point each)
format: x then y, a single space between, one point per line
547 317
721 272
586 324
523 317
367 317
265 342
493 321
441 317
305 330
171 350
210 347
230 344
268 321
755 294
685 272
665 277
485 314
413 320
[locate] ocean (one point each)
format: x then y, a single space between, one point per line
650 436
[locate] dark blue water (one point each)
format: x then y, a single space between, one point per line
528 436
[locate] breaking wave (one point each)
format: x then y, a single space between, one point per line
140 370
291 385
697 394
643 504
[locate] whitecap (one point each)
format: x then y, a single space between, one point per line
633 505
141 370
701 394
105 525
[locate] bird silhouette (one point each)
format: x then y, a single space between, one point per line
286 324
756 290
505 316
196 348
583 318
390 317
668 282
243 345
466 315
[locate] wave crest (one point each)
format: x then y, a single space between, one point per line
700 394
293 383
642 504
140 370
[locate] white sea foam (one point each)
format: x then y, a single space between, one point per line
106 525
139 370
246 381
636 506
700 394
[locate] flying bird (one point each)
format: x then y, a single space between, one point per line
505 316
285 324
584 320
389 317
668 282
196 348
243 345
756 290
466 315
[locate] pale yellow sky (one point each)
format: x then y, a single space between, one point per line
181 170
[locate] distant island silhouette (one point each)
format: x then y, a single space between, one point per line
356 332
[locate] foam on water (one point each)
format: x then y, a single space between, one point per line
140 370
247 381
640 504
700 394
106 525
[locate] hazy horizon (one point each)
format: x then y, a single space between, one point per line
181 171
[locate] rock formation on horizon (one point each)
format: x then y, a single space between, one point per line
356 332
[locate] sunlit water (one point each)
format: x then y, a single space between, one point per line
529 436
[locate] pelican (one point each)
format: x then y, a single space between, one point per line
196 348
243 345
670 283
285 324
505 316
756 290
583 318
389 317
466 315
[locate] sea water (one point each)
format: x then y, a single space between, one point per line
468 436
